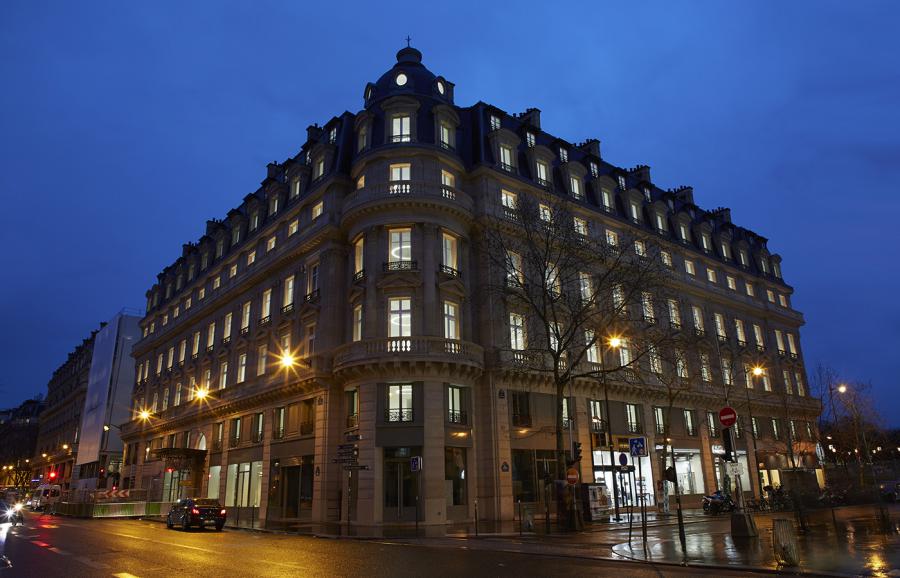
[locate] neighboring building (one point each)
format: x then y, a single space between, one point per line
107 403
72 443
357 257
18 436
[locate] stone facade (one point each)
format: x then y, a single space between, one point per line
336 325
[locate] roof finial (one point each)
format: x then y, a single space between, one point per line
408 40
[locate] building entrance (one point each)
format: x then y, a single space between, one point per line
401 486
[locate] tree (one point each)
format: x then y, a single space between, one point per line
570 294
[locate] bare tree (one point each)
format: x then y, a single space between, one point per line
571 295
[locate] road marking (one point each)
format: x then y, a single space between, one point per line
91 563
58 551
124 575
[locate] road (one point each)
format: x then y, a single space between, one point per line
53 546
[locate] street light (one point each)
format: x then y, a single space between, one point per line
65 446
201 394
842 388
614 343
287 360
144 415
757 371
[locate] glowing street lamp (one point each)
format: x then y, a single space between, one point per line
757 371
287 360
842 388
144 415
615 342
65 446
202 394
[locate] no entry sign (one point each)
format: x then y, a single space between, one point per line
727 416
572 476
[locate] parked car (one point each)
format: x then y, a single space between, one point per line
198 512
46 495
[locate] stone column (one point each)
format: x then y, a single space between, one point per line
432 501
369 500
429 265
266 468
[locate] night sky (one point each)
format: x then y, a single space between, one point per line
124 127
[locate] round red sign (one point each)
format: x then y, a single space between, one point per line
572 476
727 416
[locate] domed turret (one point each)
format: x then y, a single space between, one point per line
409 77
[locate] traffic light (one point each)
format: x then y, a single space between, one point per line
726 444
52 475
576 451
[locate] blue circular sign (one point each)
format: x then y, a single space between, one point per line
623 459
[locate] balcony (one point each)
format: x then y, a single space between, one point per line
782 353
742 343
387 352
793 355
264 321
447 270
598 425
456 416
289 308
521 420
507 167
722 338
398 415
307 428
674 325
245 331
633 427
195 356
234 442
210 348
699 332
359 275
544 183
568 422
311 296
649 320
390 266
511 214
352 420
691 431
226 340
378 196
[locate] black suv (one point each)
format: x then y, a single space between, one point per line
196 512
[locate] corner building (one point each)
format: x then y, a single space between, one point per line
336 324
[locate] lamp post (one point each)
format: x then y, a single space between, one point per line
614 343
756 372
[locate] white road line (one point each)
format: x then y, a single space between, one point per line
88 562
124 575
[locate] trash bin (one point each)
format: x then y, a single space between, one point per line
784 540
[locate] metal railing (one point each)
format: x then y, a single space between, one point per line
263 321
359 275
401 266
287 308
457 416
398 415
312 296
376 192
446 269
521 420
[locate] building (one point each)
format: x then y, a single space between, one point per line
86 396
18 432
334 326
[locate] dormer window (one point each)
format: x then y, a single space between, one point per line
726 251
660 222
191 272
446 136
606 199
764 265
594 169
743 257
332 135
575 184
529 139
621 180
254 221
362 139
400 128
440 87
776 268
705 242
204 261
647 195
682 230
295 188
506 158
220 249
235 235
273 205
320 169
308 158
495 122
635 212
563 155
543 173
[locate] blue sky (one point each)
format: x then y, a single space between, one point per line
125 127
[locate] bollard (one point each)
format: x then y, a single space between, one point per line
520 517
476 517
784 541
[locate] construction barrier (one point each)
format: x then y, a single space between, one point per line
784 540
113 509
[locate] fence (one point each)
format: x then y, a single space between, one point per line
112 510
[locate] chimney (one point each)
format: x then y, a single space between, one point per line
592 146
313 132
642 172
532 116
273 170
685 194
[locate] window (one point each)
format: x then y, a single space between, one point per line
195 346
170 359
594 169
666 258
400 174
770 295
165 400
779 341
755 425
764 265
251 258
585 286
655 359
543 173
647 307
211 335
705 242
690 425
400 322
223 375
220 248
580 226
266 309
635 212
798 379
516 331
544 212
399 403
681 368
448 245
720 326
357 322
245 316
177 400
711 275
640 248
529 139
446 141
182 350
633 418
786 377
727 371
659 416
606 199
358 255
758 336
618 300
270 244
575 184
739 331
201 293
451 320
287 297
495 122
310 339
319 169
697 314
743 257
312 279
514 277
508 199
660 222
776 434
455 398
449 182
612 238
711 424
563 155
705 372
226 327
749 288
731 282
400 128
625 358
295 188
782 300
689 267
592 349
401 246
254 221
792 345
262 353
273 205
683 232
521 408
317 210
242 368
506 157
236 430
621 181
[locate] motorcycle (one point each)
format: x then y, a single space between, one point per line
718 502
14 514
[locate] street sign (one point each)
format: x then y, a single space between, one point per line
415 463
623 459
733 468
355 467
625 469
727 416
347 446
572 476
638 447
353 437
670 474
